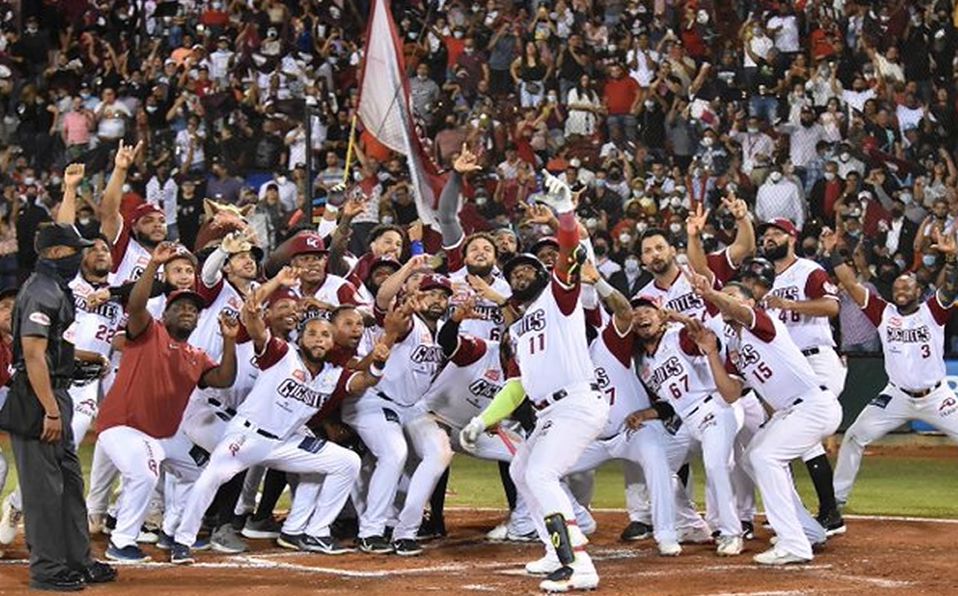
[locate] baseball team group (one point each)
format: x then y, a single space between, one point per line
216 379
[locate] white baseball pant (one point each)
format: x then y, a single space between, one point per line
892 408
242 446
431 444
831 372
753 416
788 434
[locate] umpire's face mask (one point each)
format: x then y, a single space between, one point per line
66 267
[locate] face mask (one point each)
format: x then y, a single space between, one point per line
675 228
928 261
905 198
387 220
775 176
855 213
844 157
631 266
624 238
151 109
601 250
752 130
675 202
470 50
422 77
636 192
599 183
457 34
591 223
707 141
829 176
856 234
67 267
552 97
649 104
83 221
641 227
481 201
901 264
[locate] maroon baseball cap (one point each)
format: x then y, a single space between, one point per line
432 281
306 243
643 300
143 210
281 294
782 224
185 295
385 261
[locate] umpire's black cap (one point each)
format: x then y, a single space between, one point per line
60 235
10 292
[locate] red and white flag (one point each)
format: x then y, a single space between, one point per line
386 110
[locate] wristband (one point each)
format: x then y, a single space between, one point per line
49 417
376 370
332 209
603 288
837 259
416 248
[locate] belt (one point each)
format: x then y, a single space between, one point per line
559 396
218 404
810 351
384 396
918 394
696 408
260 431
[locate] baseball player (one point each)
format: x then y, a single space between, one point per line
295 382
136 417
913 338
308 254
674 370
132 243
762 355
804 299
556 372
178 274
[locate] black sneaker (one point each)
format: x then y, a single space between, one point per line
431 529
636 531
326 545
239 521
376 545
748 530
407 547
344 528
98 573
65 581
291 541
180 554
832 522
109 525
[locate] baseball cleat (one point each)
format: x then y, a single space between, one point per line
817 547
180 555
226 540
748 530
670 549
291 541
498 533
695 535
10 521
375 545
165 542
262 529
326 545
148 535
406 547
729 546
833 523
532 536
544 566
581 575
128 554
774 556
98 573
636 531
201 544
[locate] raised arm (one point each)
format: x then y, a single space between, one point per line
695 251
727 305
560 195
224 375
393 284
139 317
744 244
448 216
72 177
948 288
364 379
110 219
612 298
843 271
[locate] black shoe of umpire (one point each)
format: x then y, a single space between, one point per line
98 573
832 522
65 581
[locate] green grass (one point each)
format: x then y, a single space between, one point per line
914 486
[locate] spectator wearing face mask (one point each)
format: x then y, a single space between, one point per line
780 197
606 266
630 278
847 162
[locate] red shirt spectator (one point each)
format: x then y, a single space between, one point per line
620 92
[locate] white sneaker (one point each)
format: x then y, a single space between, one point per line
590 527
10 521
532 536
498 533
581 575
729 546
774 556
670 549
695 535
544 566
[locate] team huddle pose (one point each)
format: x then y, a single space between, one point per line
356 390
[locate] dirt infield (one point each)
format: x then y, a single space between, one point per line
878 556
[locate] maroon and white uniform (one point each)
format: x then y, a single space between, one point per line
467 383
678 372
268 430
914 347
335 291
489 323
679 295
130 258
766 358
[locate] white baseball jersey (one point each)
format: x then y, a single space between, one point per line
286 395
805 280
412 365
156 306
550 343
678 371
334 291
680 297
612 357
130 258
246 374
93 329
914 345
467 383
766 358
489 323
221 298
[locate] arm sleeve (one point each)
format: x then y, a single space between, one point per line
119 245
448 338
818 285
326 227
762 326
213 268
875 305
448 215
36 315
503 404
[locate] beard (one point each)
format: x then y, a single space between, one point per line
777 253
312 355
478 271
532 290
145 240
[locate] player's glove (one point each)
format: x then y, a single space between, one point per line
559 195
470 435
85 372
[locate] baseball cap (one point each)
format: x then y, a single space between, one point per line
639 301
782 224
433 281
60 235
307 243
143 210
281 294
10 292
185 295
183 253
385 261
544 242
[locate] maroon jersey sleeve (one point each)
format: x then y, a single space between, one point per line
347 294
593 317
455 260
209 293
272 353
120 244
720 264
941 312
620 343
762 326
512 369
469 350
687 344
875 307
818 285
566 296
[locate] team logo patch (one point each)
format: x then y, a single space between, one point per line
881 401
948 407
493 375
708 421
894 322
299 375
312 242
40 318
830 287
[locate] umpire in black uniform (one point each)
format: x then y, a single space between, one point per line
38 412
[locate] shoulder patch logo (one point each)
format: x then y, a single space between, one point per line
40 318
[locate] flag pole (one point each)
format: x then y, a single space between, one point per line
350 149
